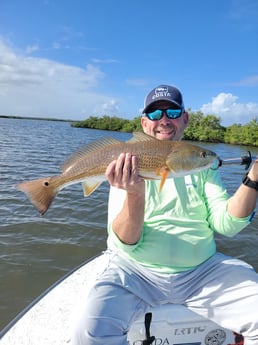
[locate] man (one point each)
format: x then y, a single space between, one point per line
161 245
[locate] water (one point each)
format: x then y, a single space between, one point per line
36 251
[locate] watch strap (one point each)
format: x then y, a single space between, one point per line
249 183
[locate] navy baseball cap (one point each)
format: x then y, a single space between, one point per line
163 93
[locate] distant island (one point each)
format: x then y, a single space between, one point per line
33 118
202 128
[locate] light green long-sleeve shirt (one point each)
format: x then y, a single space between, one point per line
179 222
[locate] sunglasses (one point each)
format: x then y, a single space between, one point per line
170 113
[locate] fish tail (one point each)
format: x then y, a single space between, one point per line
41 192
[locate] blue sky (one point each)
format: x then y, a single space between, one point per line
72 59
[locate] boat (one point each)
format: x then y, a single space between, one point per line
47 320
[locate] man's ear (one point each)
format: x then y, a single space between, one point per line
143 121
186 118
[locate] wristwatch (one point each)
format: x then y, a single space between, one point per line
249 183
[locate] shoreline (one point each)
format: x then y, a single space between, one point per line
34 118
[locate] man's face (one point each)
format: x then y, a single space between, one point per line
165 128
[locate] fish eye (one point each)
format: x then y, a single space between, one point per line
46 183
203 154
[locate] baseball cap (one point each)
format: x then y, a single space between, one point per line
163 93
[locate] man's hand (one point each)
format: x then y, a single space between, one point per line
123 173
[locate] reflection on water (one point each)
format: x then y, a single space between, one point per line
35 251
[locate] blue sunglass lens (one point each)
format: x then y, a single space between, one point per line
173 113
170 113
155 115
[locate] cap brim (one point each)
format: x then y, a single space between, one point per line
161 99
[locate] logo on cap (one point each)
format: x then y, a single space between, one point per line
161 91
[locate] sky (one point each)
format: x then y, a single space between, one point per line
71 59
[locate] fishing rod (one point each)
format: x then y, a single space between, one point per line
243 160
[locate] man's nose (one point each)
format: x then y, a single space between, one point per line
164 119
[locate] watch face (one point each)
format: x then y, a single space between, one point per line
215 337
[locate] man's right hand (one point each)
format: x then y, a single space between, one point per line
123 173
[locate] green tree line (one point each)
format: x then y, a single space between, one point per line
208 128
110 123
200 128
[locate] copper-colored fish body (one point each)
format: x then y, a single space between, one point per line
156 160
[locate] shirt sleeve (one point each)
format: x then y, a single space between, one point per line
115 204
216 199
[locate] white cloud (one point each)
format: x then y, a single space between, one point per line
32 86
32 48
104 61
230 110
110 107
245 13
248 81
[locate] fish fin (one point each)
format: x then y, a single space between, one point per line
41 192
164 174
87 149
90 186
140 136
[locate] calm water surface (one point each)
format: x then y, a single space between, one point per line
36 251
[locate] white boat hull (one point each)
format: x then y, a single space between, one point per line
48 320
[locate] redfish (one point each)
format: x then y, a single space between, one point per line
157 159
